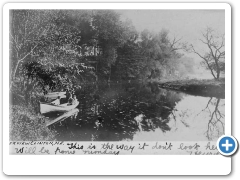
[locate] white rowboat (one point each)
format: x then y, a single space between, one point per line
54 95
47 107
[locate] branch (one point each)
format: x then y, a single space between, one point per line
210 100
16 44
208 36
210 69
203 41
174 42
221 55
14 47
28 53
206 60
218 48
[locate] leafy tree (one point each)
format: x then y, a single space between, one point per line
44 51
160 54
129 63
53 77
26 29
111 34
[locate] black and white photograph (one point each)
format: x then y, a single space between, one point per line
116 75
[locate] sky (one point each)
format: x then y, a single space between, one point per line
185 24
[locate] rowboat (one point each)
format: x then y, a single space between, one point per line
54 95
48 107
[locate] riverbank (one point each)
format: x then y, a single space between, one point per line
27 125
207 87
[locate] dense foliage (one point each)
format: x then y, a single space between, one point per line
50 48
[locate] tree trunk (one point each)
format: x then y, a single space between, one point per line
14 74
218 74
15 70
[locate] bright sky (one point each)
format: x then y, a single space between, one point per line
187 24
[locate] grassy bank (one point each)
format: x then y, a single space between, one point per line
26 125
208 87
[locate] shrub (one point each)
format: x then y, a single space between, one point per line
26 125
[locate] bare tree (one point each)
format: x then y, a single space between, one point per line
214 58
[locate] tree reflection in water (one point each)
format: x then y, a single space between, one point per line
197 118
126 112
215 124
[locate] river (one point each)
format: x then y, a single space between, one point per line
140 112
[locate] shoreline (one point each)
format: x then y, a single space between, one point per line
206 87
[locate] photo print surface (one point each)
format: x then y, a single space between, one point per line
116 81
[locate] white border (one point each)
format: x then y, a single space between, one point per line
114 165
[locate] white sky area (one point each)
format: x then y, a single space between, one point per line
185 24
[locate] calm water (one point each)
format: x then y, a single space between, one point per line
136 112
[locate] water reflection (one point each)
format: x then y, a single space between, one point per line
136 112
216 122
52 119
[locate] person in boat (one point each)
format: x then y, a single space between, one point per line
74 99
57 101
67 94
65 100
70 100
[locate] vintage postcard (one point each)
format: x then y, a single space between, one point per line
101 79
